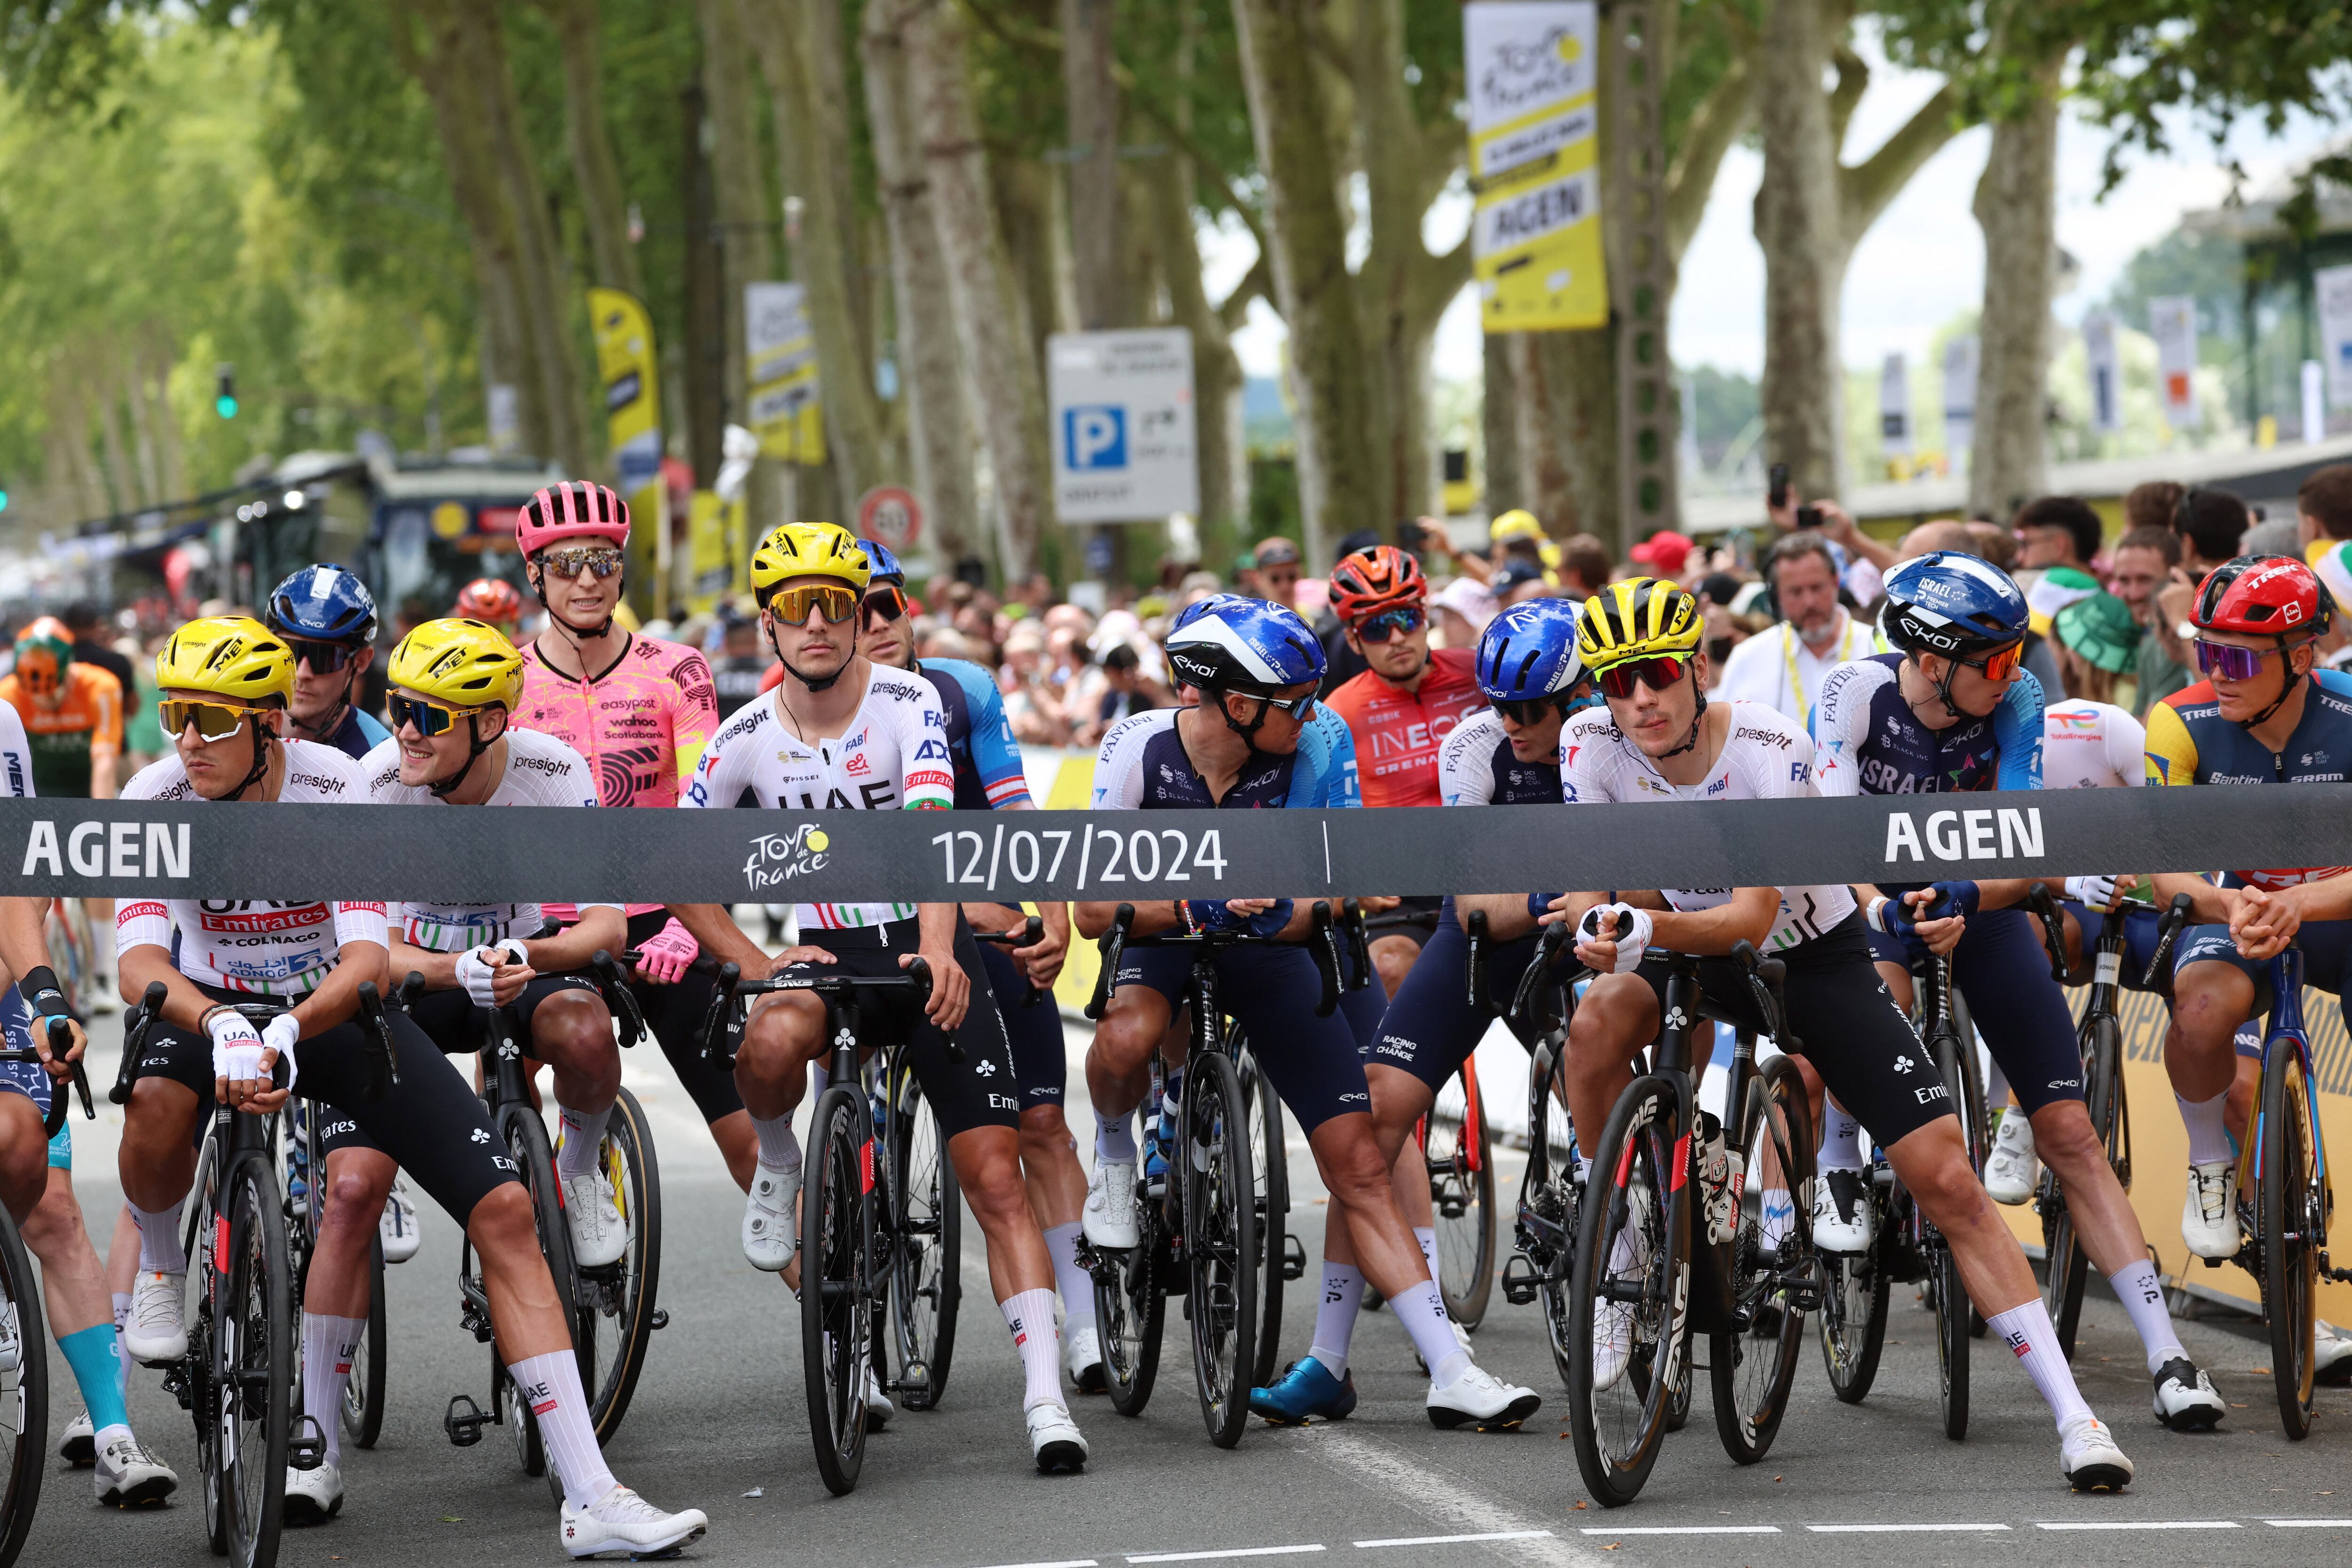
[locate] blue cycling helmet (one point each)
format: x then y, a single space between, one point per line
1952 604
324 603
1198 607
1529 652
1248 645
886 566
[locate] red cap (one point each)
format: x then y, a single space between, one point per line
1665 550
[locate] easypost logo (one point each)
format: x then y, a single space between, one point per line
778 857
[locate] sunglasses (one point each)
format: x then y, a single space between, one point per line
2232 662
1390 623
887 602
2000 663
792 605
431 718
323 658
1661 673
214 721
603 559
1530 711
1299 708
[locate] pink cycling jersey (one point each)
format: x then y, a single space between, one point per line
641 722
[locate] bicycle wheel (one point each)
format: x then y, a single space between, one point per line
1129 1312
1753 1370
2291 1205
1853 1303
253 1366
1548 1207
925 1271
1270 1167
1220 1246
534 1158
1460 1159
24 1393
363 1414
618 1314
837 1324
1630 1292
2068 1276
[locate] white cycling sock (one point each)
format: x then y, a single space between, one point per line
1841 1139
1115 1138
1077 1286
1427 1236
779 1150
2209 1129
1335 1317
2027 1329
161 1250
1422 1310
329 1344
549 1385
1029 1316
584 1133
2142 1294
121 1356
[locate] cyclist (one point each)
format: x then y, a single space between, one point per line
1954 710
72 710
328 618
1250 742
842 731
493 602
1508 755
226 683
1659 738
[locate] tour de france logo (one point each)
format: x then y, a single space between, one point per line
778 857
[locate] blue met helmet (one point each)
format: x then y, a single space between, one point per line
1233 644
324 603
1952 604
886 566
1529 652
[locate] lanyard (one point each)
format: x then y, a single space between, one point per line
1788 653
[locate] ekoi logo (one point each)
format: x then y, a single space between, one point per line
778 857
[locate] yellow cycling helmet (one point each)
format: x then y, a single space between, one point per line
466 664
1640 618
808 549
229 655
1515 523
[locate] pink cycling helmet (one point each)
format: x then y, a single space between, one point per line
572 509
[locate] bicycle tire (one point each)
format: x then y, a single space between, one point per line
1221 1245
1131 1313
362 1412
534 1158
2066 1279
1552 1197
1955 1060
25 1391
1270 1166
926 1273
2290 1214
1753 1373
1460 1155
837 1321
1637 1193
1853 1316
252 1371
618 1304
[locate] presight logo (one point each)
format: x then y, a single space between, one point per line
778 857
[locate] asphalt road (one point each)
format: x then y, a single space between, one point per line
720 1423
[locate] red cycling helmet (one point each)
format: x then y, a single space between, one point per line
572 509
492 599
1370 581
2264 595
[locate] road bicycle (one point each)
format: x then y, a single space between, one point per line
23 1337
306 1168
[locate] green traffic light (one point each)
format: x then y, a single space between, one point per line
224 406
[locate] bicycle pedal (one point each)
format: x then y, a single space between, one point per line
307 1449
1294 1258
464 1422
1521 1280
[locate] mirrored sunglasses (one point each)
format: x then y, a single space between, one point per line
214 721
431 718
603 559
2229 661
889 602
792 605
1390 623
323 658
1659 674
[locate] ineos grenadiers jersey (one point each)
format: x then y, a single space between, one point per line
893 754
1765 757
540 771
1398 733
1867 741
2188 743
2091 745
269 948
988 772
1477 767
1142 766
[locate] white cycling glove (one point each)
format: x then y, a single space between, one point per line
473 969
1600 924
279 1034
2092 892
237 1048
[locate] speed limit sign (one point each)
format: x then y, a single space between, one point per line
890 515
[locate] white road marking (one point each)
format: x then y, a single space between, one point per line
1440 1495
1891 1529
1073 1562
2309 1523
2148 1524
1449 1540
1230 1551
1689 1529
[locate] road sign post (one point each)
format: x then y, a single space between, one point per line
1124 432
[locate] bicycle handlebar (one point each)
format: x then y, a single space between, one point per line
2158 977
722 1026
61 1090
1032 933
1322 945
1548 948
383 1068
619 1000
2053 931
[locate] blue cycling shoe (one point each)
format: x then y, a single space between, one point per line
1305 1392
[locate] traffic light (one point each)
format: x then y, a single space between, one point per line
225 393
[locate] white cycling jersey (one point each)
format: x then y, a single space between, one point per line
540 771
1765 756
2091 745
892 755
15 752
269 947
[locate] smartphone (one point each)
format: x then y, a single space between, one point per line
1778 496
1808 517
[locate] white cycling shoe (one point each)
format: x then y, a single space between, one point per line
1481 1400
2209 1216
1055 1440
314 1497
128 1476
770 1228
2089 1458
2013 1173
79 1447
1613 1343
621 1520
1842 1219
2331 1357
1110 1216
878 1408
1082 1359
398 1226
599 1234
156 1329
2185 1397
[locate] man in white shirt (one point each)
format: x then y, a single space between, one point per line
1782 666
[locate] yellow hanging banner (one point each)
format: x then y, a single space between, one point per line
1534 144
631 375
786 411
719 553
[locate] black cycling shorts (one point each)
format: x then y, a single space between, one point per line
1849 1028
674 1015
2002 967
1271 992
1431 1028
983 1090
1039 1062
431 1121
453 1021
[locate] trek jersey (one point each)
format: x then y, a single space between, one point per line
2091 745
892 755
1765 756
85 725
540 771
2188 743
988 772
1143 766
1869 742
266 947
1477 767
1398 733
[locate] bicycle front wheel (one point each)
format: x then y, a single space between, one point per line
836 1320
926 1272
1460 1159
1754 1369
23 1393
617 1302
1130 1311
2292 1209
252 1370
1220 1245
1270 1167
362 1414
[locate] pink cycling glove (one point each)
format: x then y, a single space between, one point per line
663 957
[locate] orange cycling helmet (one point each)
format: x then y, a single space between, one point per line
1370 581
491 599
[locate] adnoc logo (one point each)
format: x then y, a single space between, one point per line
778 857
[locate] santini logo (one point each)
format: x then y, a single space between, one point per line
778 857
109 849
2001 834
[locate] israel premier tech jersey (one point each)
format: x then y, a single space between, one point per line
1142 765
2188 743
988 772
1477 767
1867 741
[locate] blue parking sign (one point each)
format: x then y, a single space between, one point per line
1094 437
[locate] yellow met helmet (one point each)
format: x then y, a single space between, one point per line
1640 618
808 549
229 655
465 664
1515 523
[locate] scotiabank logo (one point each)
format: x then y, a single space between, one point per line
778 857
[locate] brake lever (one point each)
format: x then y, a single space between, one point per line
619 1000
2053 933
1555 937
1112 945
720 1026
1475 925
1327 958
134 1040
60 1042
1360 941
2158 977
383 1072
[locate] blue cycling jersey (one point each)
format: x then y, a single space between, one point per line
988 771
358 734
1476 766
1143 765
1867 741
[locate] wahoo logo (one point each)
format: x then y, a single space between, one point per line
1966 834
108 848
